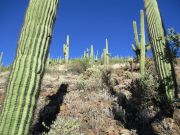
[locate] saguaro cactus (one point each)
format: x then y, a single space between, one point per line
160 48
92 54
66 50
143 42
106 55
28 67
1 56
140 47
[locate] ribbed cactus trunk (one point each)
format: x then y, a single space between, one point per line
66 50
160 48
24 83
143 42
1 64
107 52
92 55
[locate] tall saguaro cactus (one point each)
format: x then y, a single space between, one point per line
143 42
28 68
106 55
160 48
140 48
66 50
92 55
1 57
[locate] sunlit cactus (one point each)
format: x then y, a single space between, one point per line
1 63
66 50
106 54
92 54
28 68
160 48
140 47
1 57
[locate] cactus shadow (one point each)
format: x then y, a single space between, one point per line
49 113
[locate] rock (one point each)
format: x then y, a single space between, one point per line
128 132
166 127
176 116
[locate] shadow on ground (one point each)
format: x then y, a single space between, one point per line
49 113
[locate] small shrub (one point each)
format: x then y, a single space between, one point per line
106 78
79 66
146 89
64 126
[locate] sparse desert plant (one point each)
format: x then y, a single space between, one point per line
64 126
79 65
173 39
117 59
28 68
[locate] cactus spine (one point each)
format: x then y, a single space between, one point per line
66 50
160 48
28 68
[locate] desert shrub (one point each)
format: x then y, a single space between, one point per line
146 90
117 59
5 68
64 126
106 78
79 65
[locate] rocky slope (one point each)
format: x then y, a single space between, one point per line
99 101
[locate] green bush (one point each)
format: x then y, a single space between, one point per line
79 65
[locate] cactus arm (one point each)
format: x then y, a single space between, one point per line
136 38
133 47
28 68
148 47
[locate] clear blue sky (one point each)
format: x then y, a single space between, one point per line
87 22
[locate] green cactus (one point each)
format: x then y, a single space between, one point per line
92 55
1 64
140 48
66 50
1 56
106 54
142 43
96 57
160 48
24 82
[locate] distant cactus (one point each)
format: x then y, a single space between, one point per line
1 56
96 57
160 48
66 50
92 55
106 55
24 82
1 64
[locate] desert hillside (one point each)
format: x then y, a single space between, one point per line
101 100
